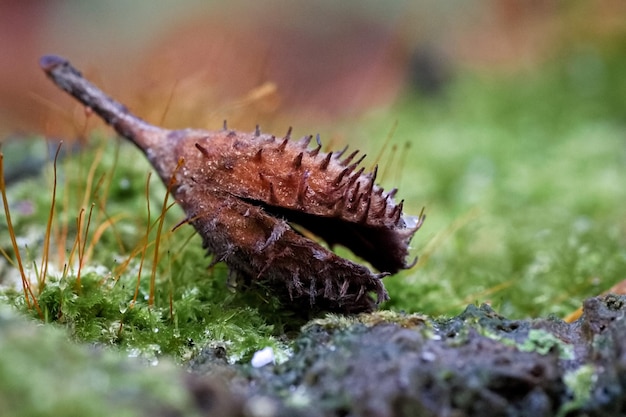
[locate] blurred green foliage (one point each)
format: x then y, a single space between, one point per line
522 180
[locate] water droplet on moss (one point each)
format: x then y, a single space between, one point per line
123 307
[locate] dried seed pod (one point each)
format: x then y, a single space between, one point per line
242 191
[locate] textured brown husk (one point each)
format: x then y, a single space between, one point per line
243 191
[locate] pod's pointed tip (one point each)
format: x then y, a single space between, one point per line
49 62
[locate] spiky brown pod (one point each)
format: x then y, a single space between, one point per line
241 192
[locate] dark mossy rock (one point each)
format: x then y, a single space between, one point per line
379 364
478 363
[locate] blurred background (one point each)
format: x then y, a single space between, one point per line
278 63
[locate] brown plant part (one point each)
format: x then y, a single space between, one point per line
241 192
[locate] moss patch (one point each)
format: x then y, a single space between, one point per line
42 373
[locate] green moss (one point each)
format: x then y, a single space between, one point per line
42 373
520 180
337 322
543 342
580 383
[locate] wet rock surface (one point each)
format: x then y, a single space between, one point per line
475 364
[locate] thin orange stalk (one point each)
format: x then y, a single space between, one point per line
103 199
76 246
159 230
90 176
63 231
438 240
387 141
110 222
145 240
171 287
400 165
46 242
28 293
79 223
122 267
81 249
82 136
390 164
8 258
107 187
168 103
487 292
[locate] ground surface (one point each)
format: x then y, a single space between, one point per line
382 364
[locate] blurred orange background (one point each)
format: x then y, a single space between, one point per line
273 63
